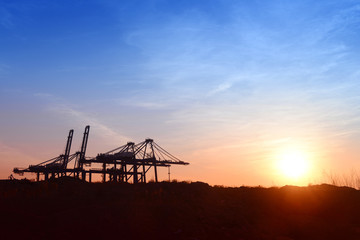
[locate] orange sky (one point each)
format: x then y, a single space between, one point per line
228 86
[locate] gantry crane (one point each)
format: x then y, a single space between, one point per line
128 163
132 162
58 166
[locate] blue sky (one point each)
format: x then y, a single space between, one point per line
221 84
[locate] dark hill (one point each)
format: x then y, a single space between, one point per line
71 209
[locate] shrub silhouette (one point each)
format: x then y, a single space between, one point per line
71 209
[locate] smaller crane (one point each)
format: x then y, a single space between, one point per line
58 166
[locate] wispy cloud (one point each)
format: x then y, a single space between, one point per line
43 95
243 76
69 112
6 18
220 88
4 68
85 118
13 157
288 63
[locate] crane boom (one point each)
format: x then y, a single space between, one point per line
67 149
81 157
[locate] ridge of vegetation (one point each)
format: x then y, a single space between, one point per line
68 209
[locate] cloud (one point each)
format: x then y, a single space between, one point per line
268 73
220 88
6 18
4 68
69 112
149 105
144 101
101 129
207 53
11 157
5 149
43 95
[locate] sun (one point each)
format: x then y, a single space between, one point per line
293 164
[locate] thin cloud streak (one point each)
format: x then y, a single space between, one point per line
6 18
73 114
70 113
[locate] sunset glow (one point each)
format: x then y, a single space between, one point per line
293 164
248 92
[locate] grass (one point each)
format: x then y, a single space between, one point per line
351 179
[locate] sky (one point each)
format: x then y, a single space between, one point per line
229 86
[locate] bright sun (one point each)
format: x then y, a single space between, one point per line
293 164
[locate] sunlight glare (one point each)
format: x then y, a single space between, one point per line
293 163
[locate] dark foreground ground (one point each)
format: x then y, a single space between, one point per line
70 209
